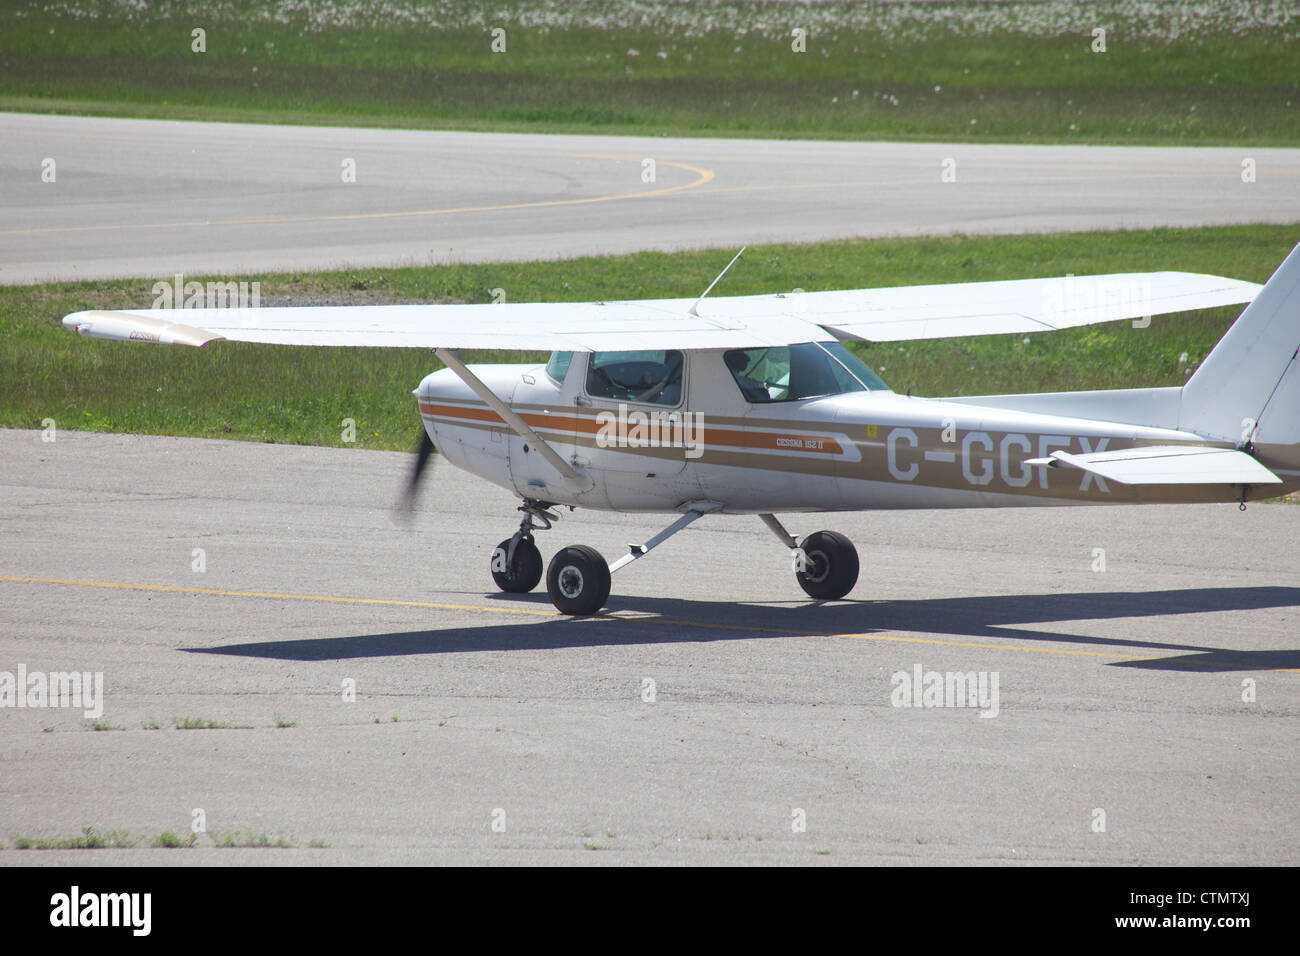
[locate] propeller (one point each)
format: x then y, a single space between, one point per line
406 504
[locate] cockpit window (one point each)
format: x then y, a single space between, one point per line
654 377
795 372
558 366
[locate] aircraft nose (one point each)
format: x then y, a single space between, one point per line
437 384
435 387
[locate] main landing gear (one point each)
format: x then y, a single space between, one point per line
578 578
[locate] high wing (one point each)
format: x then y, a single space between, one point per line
872 315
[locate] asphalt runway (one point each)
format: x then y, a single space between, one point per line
151 198
490 729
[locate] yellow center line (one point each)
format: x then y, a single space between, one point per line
270 594
703 176
629 618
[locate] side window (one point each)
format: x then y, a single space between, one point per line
762 374
558 366
654 377
790 373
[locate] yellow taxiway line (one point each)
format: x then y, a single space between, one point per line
702 176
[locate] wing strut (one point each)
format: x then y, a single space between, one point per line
574 480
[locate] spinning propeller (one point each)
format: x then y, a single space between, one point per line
406 504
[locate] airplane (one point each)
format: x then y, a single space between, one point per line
753 405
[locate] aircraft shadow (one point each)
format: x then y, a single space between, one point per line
672 620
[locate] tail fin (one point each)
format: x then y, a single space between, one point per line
1248 388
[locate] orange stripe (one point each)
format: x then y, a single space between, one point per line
736 438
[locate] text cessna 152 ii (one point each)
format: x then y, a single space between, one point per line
752 405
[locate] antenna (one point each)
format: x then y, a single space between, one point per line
692 309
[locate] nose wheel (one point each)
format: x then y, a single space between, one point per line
516 563
520 572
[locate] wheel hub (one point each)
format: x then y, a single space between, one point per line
570 582
819 566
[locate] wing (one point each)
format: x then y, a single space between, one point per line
872 315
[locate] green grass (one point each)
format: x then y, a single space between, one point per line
88 839
170 840
249 839
897 72
92 839
200 723
276 394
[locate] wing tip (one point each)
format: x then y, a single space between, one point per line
133 327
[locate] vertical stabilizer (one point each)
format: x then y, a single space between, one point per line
1248 387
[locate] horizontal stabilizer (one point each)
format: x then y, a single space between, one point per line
1167 465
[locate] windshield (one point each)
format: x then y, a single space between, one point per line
849 360
795 372
558 365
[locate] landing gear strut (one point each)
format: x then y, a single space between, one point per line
825 562
577 579
516 563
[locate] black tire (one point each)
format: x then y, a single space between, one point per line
832 566
577 580
524 571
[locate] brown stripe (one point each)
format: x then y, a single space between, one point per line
736 438
742 421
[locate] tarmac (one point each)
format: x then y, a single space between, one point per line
153 198
378 702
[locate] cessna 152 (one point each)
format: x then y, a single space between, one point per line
753 405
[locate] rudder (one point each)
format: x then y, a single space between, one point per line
1248 387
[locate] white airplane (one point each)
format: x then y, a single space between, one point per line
752 405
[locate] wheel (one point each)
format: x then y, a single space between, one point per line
524 571
577 580
831 569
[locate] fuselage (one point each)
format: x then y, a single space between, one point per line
705 438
